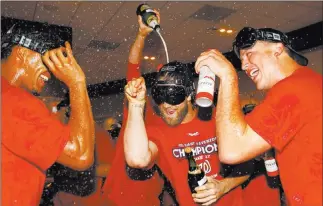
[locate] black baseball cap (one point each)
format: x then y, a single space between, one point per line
247 37
39 41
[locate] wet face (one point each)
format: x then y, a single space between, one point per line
31 68
173 115
260 64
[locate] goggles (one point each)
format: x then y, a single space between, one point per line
170 93
248 36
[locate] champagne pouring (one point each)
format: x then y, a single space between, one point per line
149 18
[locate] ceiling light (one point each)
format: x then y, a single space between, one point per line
222 30
152 58
146 57
229 31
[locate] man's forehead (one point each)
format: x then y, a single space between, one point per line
27 51
259 45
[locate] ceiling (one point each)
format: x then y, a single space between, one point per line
188 28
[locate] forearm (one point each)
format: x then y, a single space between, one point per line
233 182
230 123
136 143
81 122
135 54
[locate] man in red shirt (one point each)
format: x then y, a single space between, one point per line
33 139
289 119
86 188
163 143
119 189
256 191
104 157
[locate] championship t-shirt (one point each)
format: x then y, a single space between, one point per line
199 135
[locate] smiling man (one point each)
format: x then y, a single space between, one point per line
32 138
289 119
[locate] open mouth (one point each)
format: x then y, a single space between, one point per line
43 78
253 73
170 112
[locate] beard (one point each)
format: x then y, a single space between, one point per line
174 121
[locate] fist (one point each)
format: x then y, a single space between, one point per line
135 90
216 61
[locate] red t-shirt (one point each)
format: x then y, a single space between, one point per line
119 189
104 154
290 119
200 135
257 193
32 140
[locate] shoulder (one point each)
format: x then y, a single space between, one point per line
302 77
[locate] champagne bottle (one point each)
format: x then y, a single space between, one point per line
148 15
273 179
196 176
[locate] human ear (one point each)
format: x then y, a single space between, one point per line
278 49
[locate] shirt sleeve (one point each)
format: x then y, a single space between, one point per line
278 118
34 133
133 71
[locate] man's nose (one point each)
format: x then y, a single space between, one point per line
166 105
244 64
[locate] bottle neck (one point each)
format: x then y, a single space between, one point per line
192 166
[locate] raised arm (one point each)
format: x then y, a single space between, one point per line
135 54
139 151
79 150
237 140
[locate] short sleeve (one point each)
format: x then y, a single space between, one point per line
278 118
133 71
31 132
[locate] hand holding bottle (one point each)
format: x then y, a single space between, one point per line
144 29
149 16
210 192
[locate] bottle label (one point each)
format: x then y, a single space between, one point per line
144 7
271 167
202 181
150 10
152 21
205 89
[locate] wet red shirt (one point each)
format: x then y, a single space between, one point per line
290 119
119 189
257 193
200 135
32 140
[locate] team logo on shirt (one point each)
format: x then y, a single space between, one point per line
204 147
193 134
203 151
